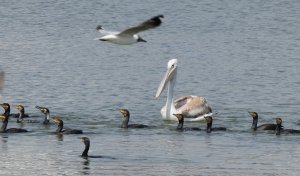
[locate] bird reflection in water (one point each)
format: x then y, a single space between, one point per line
86 166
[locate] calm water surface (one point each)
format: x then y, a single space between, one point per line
241 55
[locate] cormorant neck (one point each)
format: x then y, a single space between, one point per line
125 122
4 125
21 115
180 124
86 150
170 103
278 129
7 112
60 127
254 124
47 118
208 128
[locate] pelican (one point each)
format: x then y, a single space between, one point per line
194 108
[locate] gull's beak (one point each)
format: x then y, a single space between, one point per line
168 76
141 40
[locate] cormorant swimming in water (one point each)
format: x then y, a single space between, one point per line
60 126
46 112
126 116
254 126
279 130
84 154
209 128
180 118
5 118
86 142
22 114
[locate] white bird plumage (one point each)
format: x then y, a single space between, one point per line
195 108
129 36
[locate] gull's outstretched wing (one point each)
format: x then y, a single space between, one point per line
149 24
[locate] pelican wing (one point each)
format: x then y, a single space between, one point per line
149 24
192 106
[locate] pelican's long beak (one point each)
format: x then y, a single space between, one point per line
168 76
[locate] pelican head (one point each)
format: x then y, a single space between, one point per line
169 75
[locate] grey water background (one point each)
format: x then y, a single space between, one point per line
241 55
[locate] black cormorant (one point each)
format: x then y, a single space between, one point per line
60 126
209 121
279 130
5 118
180 118
22 114
126 116
46 112
254 126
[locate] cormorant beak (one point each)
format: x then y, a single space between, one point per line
169 75
122 111
18 107
177 115
81 139
252 114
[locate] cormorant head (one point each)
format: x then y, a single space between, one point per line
85 140
179 116
5 106
140 39
278 121
254 115
124 112
57 121
43 109
20 107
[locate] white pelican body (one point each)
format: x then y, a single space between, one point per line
194 108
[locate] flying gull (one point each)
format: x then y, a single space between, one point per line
129 36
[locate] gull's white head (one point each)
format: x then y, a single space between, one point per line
170 74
